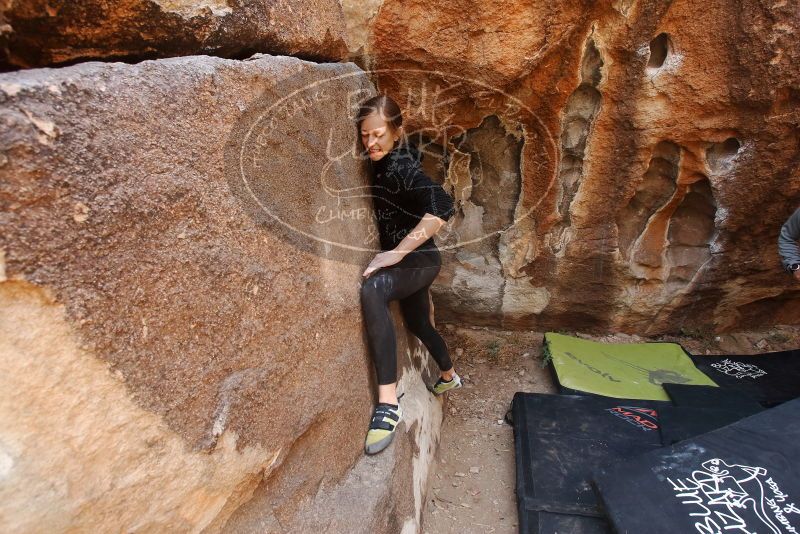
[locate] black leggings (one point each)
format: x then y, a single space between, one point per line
407 281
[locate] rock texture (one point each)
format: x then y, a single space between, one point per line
37 33
618 165
168 361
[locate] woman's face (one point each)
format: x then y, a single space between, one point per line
377 136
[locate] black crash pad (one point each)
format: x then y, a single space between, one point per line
679 423
770 378
559 440
711 397
701 409
744 477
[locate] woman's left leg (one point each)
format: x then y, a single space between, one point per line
417 315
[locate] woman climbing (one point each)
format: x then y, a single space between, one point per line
410 209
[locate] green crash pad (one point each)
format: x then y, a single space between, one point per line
621 370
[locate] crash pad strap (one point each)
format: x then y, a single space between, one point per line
545 505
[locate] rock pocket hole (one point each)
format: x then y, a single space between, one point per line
652 194
720 155
591 64
691 230
494 169
579 114
659 50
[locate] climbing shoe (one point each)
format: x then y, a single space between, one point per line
382 427
442 385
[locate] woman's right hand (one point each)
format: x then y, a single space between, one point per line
383 259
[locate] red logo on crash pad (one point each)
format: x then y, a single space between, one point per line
643 418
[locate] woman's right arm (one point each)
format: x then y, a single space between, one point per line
422 191
787 240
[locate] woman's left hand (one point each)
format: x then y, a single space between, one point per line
384 259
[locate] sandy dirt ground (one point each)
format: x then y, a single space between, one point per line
471 489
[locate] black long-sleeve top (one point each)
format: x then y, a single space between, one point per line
402 194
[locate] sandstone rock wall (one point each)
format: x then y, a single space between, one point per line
169 361
37 33
183 239
619 165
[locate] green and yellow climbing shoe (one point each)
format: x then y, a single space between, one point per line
442 385
382 427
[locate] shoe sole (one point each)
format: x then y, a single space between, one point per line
380 445
449 389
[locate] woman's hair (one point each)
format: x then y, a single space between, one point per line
385 107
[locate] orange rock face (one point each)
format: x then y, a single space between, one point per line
618 165
37 33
